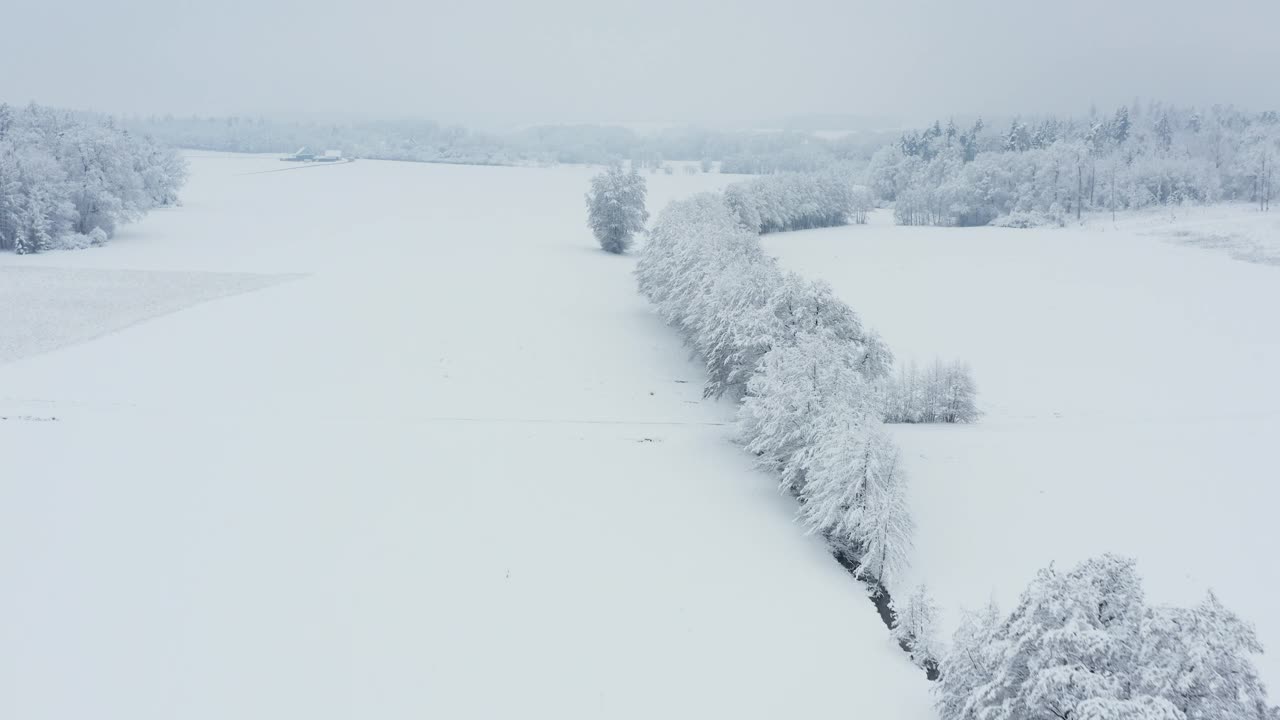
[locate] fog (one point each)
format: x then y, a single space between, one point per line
745 62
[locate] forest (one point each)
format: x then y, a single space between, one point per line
1046 171
69 180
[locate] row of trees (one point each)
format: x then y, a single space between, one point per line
798 201
1084 645
69 180
1050 171
814 386
802 364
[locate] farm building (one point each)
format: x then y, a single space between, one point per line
302 155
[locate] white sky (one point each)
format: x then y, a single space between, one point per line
721 61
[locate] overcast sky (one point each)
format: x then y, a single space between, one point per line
719 61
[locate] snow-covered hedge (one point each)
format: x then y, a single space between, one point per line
1084 644
68 180
804 367
814 388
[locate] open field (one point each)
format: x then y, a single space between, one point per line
393 440
1238 230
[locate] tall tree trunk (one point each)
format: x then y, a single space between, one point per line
1079 189
1113 191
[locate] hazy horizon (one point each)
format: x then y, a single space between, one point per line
719 63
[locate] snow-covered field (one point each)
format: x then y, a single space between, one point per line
396 440
1131 401
1239 230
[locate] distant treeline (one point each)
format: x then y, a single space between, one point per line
68 179
426 141
1052 169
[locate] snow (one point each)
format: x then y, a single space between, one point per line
442 461
74 304
1241 231
1130 394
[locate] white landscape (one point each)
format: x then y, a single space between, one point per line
889 360
329 495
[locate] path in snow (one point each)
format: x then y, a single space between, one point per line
456 469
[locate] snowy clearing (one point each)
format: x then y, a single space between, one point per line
453 468
1130 395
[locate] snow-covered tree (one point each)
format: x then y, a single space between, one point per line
63 175
1065 643
1198 660
969 663
798 384
916 628
838 462
1083 644
1258 160
10 195
886 529
802 363
34 234
794 201
809 415
735 328
615 208
862 202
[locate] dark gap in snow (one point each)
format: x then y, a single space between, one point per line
883 601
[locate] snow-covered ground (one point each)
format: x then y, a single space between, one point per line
1131 400
1239 230
428 454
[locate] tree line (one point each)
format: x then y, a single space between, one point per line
942 393
814 387
1052 170
737 151
804 368
799 201
68 180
